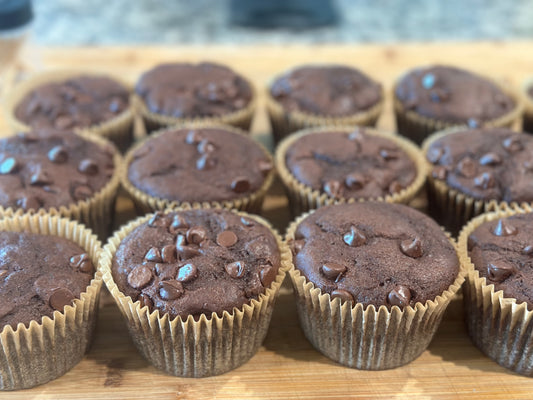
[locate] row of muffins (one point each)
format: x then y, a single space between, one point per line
426 100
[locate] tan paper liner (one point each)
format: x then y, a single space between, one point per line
418 127
303 198
213 344
145 203
118 129
286 122
47 349
449 206
498 326
241 118
366 338
528 106
96 212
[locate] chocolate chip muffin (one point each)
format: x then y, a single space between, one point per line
378 274
329 163
212 164
315 95
432 98
485 165
181 92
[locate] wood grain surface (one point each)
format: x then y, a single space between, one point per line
287 367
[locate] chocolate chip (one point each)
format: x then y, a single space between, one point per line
399 296
29 203
114 105
3 273
490 159
473 123
226 238
178 223
333 271
357 135
145 301
498 271
40 178
181 241
27 137
60 298
82 192
267 275
88 167
235 269
8 166
265 166
438 95
439 172
58 154
196 235
528 250
355 181
297 246
388 154
355 237
205 146
193 137
153 255
158 219
333 188
205 162
504 228
63 122
254 286
247 222
168 253
467 167
187 273
342 294
428 80
395 187
170 290
512 144
412 247
185 252
82 262
139 277
240 184
485 181
434 154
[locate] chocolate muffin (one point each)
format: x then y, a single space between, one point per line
39 274
196 262
77 102
487 165
432 98
315 95
50 169
205 164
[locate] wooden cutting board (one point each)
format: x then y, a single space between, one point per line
287 366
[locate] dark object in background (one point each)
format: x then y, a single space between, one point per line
299 14
15 14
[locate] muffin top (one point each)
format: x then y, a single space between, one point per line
453 95
486 164
77 102
333 90
48 168
39 274
196 262
207 164
193 90
502 251
375 253
350 165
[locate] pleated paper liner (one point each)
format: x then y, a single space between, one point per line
48 348
366 338
286 122
303 198
118 129
418 127
498 326
145 203
528 106
448 206
209 346
241 118
96 212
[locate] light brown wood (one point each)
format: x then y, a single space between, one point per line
287 367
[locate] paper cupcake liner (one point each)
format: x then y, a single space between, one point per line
96 212
210 346
145 203
118 129
47 349
497 325
286 122
366 338
303 198
449 206
528 106
417 127
241 118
